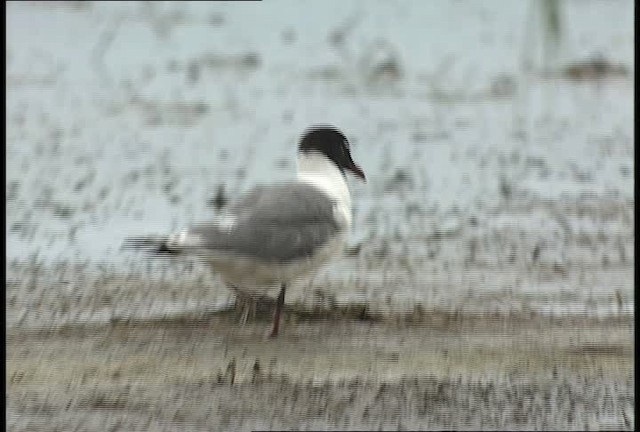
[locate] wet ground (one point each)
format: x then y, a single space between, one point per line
198 374
488 283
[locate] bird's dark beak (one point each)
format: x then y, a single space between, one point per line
357 171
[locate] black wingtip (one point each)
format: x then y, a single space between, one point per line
153 245
164 249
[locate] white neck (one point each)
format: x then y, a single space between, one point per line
318 170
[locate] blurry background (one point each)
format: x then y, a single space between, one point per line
497 138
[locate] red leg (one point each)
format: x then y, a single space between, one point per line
278 312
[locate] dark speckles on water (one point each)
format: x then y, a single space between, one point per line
103 193
170 185
132 177
62 211
173 66
503 86
84 182
327 73
625 171
337 38
287 116
241 173
25 229
506 188
387 70
13 189
201 108
352 251
595 68
44 197
419 136
251 60
400 180
148 73
243 62
283 163
289 36
220 199
193 72
424 136
413 209
216 19
381 64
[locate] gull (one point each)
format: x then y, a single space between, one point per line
276 234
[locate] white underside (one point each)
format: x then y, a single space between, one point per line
249 274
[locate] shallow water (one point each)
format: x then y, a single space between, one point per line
126 118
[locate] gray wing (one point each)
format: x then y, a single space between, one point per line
273 223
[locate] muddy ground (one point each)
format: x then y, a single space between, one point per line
335 367
208 374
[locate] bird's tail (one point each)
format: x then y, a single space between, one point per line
155 244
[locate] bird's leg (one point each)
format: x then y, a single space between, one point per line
245 303
278 311
245 311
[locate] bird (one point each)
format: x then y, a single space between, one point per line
278 233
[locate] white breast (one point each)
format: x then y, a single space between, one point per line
318 170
